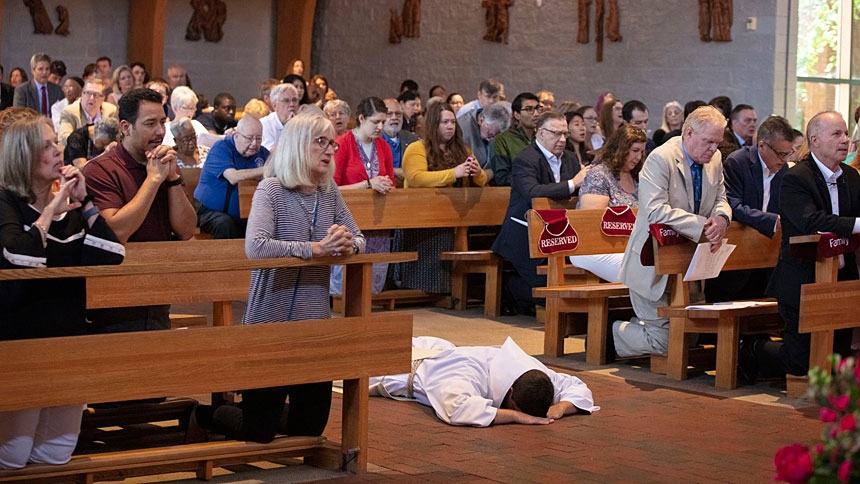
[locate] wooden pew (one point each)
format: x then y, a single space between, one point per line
590 297
415 208
753 251
825 306
76 370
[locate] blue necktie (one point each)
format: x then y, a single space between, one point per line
697 185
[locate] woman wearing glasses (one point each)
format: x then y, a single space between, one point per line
364 162
442 159
614 182
297 211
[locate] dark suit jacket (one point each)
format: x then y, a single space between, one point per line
745 190
531 177
7 95
26 95
805 209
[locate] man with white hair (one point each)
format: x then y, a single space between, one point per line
285 101
681 186
479 132
398 139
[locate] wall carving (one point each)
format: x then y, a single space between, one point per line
497 19
207 21
715 20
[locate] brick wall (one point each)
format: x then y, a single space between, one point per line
660 58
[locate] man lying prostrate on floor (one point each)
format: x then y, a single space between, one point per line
485 385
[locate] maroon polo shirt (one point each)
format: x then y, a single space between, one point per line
113 179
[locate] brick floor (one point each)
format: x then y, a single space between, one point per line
644 434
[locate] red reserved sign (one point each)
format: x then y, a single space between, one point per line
557 234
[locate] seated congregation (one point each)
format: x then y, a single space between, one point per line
109 174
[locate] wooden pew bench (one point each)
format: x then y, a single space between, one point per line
825 306
414 208
753 251
120 366
590 296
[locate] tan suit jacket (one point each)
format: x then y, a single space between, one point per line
73 117
666 196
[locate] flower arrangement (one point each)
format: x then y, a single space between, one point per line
837 458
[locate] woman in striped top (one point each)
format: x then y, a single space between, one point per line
297 211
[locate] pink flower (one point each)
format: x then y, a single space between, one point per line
848 423
857 373
844 471
842 364
828 415
819 448
793 464
840 403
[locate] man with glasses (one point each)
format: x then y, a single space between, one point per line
753 177
285 100
396 137
236 158
508 145
543 169
491 121
89 109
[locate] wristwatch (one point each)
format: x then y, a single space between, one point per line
355 248
88 198
178 181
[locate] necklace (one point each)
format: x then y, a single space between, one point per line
310 214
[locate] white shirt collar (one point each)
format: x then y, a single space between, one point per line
829 176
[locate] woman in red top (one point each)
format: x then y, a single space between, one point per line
364 161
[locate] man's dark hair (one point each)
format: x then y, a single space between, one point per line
104 57
78 80
408 85
692 106
430 93
517 105
407 96
736 111
630 106
221 97
129 105
490 87
775 128
796 133
58 67
532 393
723 103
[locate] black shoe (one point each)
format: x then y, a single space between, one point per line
508 310
747 362
194 433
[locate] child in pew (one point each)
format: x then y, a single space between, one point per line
43 228
483 385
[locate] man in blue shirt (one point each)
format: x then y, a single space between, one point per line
398 139
229 161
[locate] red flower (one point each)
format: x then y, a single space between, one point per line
840 403
844 471
848 423
857 373
793 464
819 449
828 415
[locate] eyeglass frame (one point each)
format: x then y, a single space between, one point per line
557 134
249 139
779 154
324 143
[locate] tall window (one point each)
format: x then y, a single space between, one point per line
828 64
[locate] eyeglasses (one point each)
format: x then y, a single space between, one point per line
92 94
556 134
324 143
251 139
779 154
531 109
590 118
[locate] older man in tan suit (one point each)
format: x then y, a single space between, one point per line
90 108
681 186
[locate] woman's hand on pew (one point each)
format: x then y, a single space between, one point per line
338 241
381 184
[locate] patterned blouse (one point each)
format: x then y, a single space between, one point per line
600 181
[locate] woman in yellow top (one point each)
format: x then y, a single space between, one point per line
442 159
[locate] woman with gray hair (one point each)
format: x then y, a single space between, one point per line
87 142
184 104
189 153
297 211
338 113
43 228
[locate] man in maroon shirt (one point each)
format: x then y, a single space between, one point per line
138 189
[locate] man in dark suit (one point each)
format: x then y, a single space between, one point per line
819 194
739 133
38 94
753 177
544 169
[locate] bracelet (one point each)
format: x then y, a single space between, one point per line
89 213
368 183
44 232
178 181
355 248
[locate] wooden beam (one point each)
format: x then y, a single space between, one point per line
294 30
146 20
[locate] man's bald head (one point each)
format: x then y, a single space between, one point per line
248 136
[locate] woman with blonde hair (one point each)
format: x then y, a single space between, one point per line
673 118
122 83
